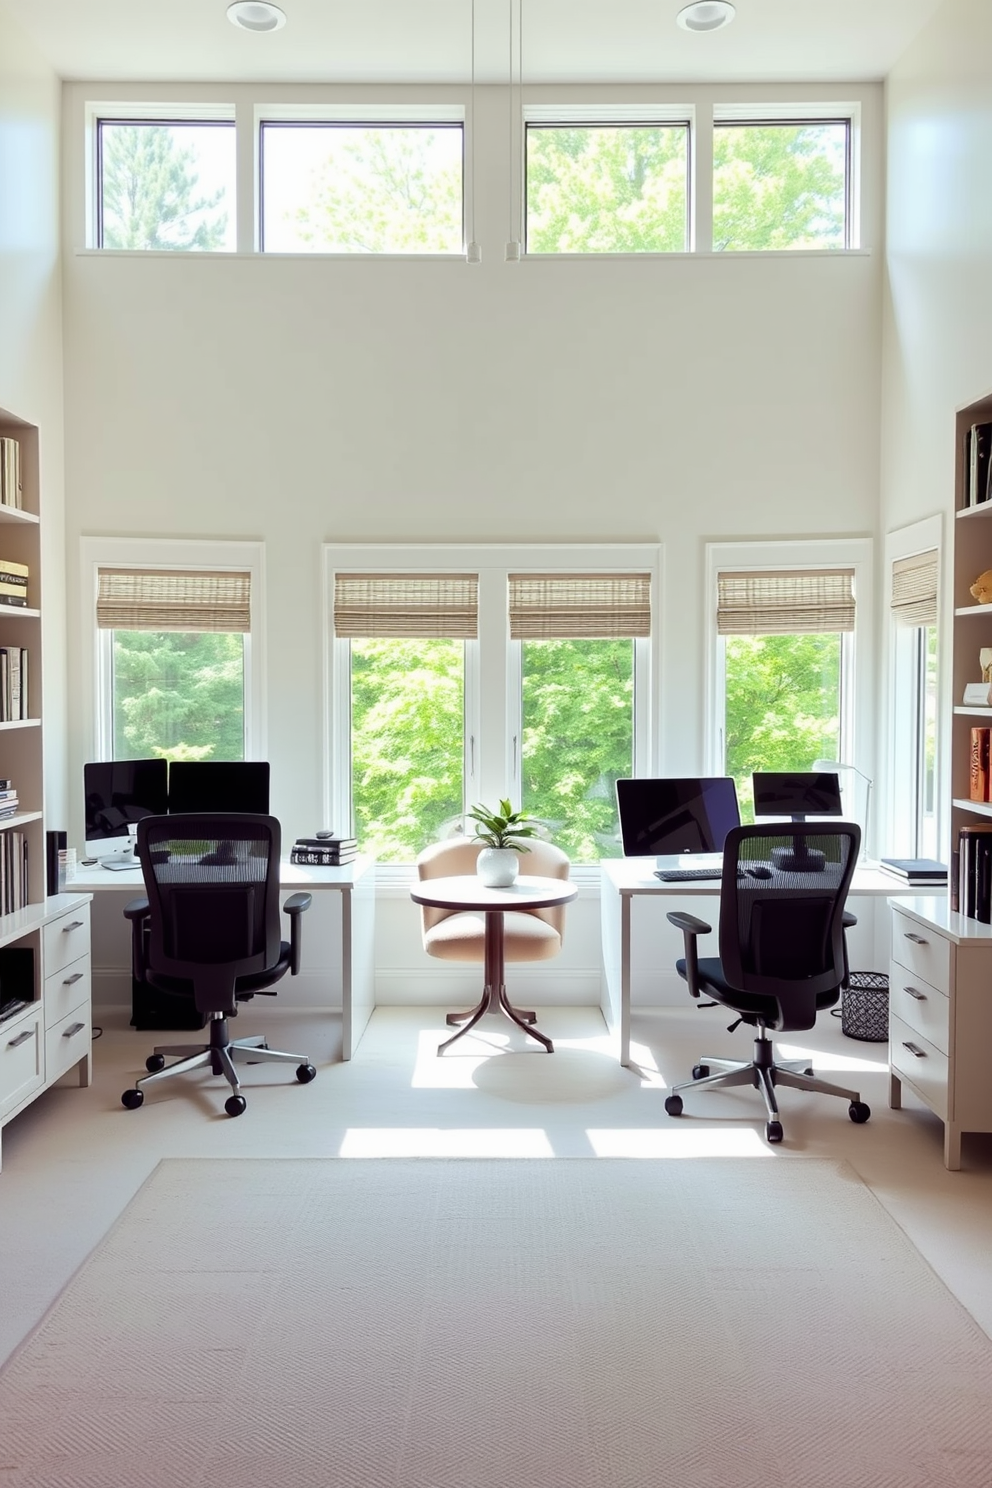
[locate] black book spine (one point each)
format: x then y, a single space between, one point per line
983 880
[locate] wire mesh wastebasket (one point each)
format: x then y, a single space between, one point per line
864 1006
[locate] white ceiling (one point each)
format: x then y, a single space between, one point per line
428 41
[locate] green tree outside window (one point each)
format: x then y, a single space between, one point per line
178 695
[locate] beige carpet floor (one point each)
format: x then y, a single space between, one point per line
494 1324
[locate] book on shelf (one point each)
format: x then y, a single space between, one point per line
329 844
978 769
915 870
974 897
10 471
979 448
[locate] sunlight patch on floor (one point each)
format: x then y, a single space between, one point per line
823 1060
436 1142
678 1142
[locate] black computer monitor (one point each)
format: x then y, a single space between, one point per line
672 817
219 785
117 794
798 794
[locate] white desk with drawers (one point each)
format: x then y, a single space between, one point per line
940 1015
53 1033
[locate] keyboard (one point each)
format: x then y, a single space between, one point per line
687 875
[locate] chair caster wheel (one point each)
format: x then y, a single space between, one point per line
700 1071
858 1112
305 1073
132 1099
154 1062
673 1105
235 1105
773 1131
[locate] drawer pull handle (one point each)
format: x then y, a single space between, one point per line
21 1038
74 925
76 1028
914 992
920 1054
77 976
916 939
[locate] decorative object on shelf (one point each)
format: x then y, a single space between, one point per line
981 589
503 833
977 695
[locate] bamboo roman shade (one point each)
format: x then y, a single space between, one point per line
780 602
574 606
381 606
173 599
914 589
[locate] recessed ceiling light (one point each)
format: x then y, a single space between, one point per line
706 15
256 15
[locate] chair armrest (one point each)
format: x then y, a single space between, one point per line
691 928
136 910
294 907
689 924
848 919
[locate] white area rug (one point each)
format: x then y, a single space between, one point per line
760 1323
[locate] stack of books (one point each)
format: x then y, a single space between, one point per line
10 472
915 872
13 582
324 852
13 872
9 805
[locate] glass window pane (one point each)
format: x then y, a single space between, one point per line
578 738
599 188
780 185
178 695
407 711
782 705
927 823
342 188
167 186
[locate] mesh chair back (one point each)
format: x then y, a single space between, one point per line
781 913
213 892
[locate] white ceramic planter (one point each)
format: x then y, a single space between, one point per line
497 866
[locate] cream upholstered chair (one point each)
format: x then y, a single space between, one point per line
460 935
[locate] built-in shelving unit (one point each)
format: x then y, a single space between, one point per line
45 941
972 629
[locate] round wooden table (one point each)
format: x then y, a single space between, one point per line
466 892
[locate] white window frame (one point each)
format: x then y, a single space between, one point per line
805 113
97 649
571 115
146 113
900 782
355 113
492 663
856 701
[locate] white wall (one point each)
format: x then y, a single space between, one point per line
303 400
31 337
937 335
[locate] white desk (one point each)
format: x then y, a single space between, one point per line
621 879
353 888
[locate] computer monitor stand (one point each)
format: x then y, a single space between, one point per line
798 858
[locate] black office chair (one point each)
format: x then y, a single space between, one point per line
782 955
210 931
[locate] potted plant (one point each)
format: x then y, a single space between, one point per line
503 833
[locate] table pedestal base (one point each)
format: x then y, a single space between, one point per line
494 998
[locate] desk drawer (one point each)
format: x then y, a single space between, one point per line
920 1006
66 939
921 1064
921 951
67 1043
66 990
22 1059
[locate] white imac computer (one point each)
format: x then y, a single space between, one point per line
118 793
